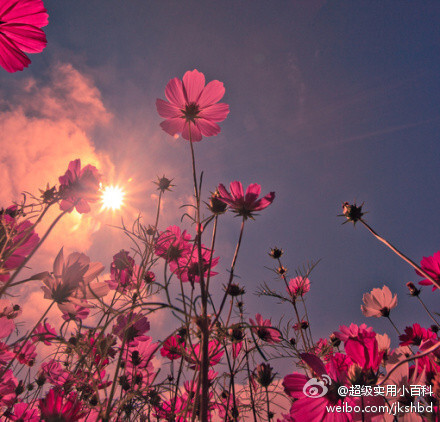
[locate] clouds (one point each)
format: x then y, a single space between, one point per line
44 125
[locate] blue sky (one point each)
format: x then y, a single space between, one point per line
330 102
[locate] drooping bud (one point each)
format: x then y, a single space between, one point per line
216 206
413 290
264 374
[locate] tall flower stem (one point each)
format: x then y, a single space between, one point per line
231 273
204 381
400 254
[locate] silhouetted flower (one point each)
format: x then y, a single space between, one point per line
247 204
78 187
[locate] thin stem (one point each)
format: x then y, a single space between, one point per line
400 254
231 274
428 312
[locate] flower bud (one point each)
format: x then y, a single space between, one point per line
352 212
276 253
413 290
163 184
264 375
216 206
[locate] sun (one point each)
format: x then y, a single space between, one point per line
112 197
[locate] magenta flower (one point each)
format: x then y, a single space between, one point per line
79 187
378 302
215 354
172 348
245 204
20 32
20 239
192 108
44 333
23 412
361 345
72 312
27 354
187 268
415 335
263 329
431 265
6 327
173 244
298 286
56 407
123 271
133 327
8 384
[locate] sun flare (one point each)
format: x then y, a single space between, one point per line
112 197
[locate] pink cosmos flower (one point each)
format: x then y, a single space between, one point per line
123 271
263 329
5 354
298 286
415 335
57 407
187 267
6 327
26 354
172 348
378 302
78 187
245 204
173 244
55 373
8 384
44 333
20 240
431 265
23 412
72 312
314 395
133 326
361 345
72 279
192 108
20 32
215 354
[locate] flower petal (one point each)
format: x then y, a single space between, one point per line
252 192
196 135
167 110
26 37
236 190
216 112
173 126
11 58
31 12
193 84
212 94
208 128
174 92
264 202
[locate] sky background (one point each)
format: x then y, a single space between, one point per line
329 102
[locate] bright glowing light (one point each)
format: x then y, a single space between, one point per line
112 197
